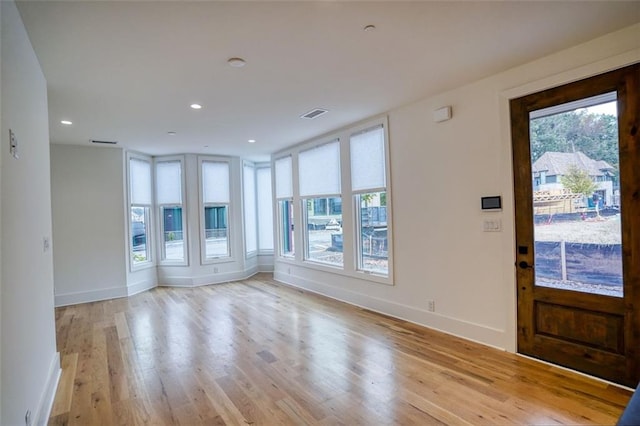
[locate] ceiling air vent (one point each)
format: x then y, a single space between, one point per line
314 113
104 142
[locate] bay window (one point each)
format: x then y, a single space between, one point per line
169 189
265 209
284 200
249 207
140 202
215 201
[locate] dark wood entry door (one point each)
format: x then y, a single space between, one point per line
576 158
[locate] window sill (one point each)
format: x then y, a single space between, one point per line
216 260
142 266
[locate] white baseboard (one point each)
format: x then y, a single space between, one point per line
202 280
140 287
470 331
41 416
67 299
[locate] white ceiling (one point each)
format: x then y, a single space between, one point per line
128 71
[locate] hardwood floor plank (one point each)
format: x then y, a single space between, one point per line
258 352
64 393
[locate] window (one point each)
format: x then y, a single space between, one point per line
215 209
368 184
319 177
284 197
286 228
265 209
336 190
250 220
139 211
169 185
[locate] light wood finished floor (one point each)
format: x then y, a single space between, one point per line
256 352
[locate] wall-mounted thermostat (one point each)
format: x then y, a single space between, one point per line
491 203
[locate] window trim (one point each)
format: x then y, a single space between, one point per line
204 260
159 211
149 236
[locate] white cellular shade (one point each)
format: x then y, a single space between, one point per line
265 209
249 192
140 181
215 182
169 182
319 170
367 160
284 185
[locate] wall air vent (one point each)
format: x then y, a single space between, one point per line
104 142
314 113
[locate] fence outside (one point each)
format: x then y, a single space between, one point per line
579 262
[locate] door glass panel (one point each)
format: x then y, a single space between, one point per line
576 196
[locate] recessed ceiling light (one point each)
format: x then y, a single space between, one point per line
196 106
251 141
66 122
206 146
369 28
236 62
171 133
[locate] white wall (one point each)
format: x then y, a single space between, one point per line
439 171
30 363
88 223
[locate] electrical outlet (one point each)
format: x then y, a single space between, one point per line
431 305
46 244
27 418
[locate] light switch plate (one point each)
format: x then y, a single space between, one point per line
492 225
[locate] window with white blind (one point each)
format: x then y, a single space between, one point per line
319 177
249 207
215 202
284 200
264 209
140 202
339 185
369 190
169 200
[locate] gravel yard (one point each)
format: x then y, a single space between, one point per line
605 230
